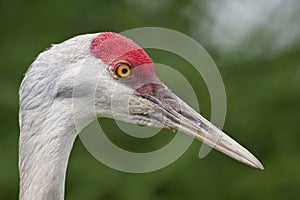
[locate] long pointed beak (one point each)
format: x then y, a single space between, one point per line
174 113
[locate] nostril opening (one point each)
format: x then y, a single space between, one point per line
187 115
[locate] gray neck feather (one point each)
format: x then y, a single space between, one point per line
47 131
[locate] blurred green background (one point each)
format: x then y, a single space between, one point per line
256 46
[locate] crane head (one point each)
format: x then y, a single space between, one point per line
141 98
128 89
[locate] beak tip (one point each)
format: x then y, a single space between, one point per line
260 166
255 163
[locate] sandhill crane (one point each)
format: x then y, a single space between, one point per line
47 130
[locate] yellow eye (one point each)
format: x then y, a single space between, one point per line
123 70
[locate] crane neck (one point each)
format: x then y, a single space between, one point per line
47 130
45 145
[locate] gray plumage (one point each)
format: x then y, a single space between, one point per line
59 89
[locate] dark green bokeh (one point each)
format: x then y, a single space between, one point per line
262 88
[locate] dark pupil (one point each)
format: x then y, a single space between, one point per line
124 71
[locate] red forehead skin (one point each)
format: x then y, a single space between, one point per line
112 47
